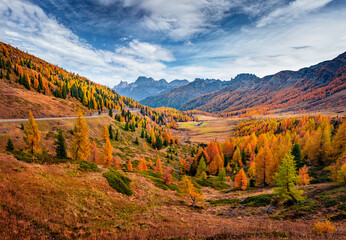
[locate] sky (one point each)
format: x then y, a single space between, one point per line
109 41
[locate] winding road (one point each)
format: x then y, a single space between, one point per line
51 118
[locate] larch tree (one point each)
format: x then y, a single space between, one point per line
117 162
236 159
107 157
80 148
190 190
240 180
94 156
158 167
215 165
339 140
167 178
304 178
129 166
32 134
105 133
212 150
262 166
142 165
202 167
286 179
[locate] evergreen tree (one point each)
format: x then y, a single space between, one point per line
222 174
117 135
32 134
202 167
286 179
60 145
297 156
136 141
142 133
80 148
9 146
126 126
110 112
158 167
110 129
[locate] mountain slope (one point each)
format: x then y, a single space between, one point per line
144 87
294 90
177 96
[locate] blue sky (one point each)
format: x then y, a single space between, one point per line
113 40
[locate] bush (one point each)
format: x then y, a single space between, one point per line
225 201
85 166
119 182
209 182
323 227
257 201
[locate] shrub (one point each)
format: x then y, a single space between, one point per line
119 182
85 166
323 227
225 201
257 201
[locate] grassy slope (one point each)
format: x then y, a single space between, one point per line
60 201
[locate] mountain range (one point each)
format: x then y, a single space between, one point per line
312 87
145 87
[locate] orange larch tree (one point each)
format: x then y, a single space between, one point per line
240 180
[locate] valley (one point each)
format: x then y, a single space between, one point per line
87 163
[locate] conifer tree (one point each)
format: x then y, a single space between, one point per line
341 177
215 165
190 190
60 144
117 135
158 167
167 178
297 156
94 156
117 162
286 179
240 180
107 157
142 165
80 149
304 178
105 133
110 112
110 130
222 174
262 166
339 140
129 166
32 134
202 167
236 159
9 146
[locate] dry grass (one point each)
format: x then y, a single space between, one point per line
211 129
16 102
58 201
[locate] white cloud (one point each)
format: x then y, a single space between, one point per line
293 10
25 25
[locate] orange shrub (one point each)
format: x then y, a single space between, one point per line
323 227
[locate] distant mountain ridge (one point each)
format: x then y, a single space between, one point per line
144 87
321 84
177 96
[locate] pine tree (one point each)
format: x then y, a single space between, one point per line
167 178
117 135
110 112
190 190
32 134
126 126
297 156
286 179
60 144
9 146
136 141
240 180
110 130
80 148
158 167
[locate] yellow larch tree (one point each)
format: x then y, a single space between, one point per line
129 166
80 148
94 156
32 134
240 180
190 190
158 167
105 133
262 167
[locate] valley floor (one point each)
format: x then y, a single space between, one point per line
61 202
